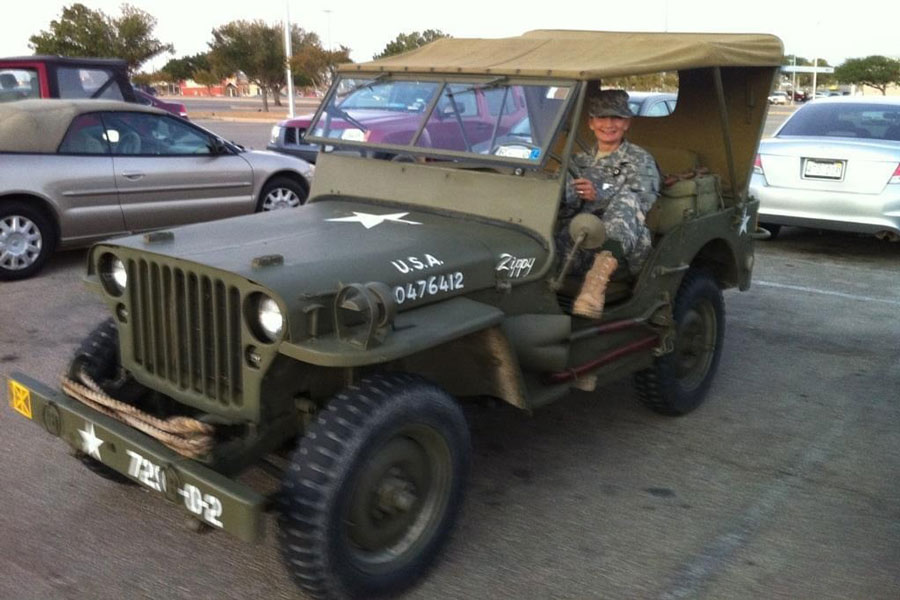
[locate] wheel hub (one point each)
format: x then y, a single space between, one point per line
696 344
395 495
281 198
20 242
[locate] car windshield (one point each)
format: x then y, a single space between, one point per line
406 96
845 119
492 120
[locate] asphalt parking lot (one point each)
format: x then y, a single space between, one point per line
784 484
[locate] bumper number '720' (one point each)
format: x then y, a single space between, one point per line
206 506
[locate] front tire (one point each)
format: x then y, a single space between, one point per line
98 358
27 240
677 383
281 192
374 488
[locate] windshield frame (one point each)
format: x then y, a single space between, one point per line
459 157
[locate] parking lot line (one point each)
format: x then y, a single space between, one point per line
801 288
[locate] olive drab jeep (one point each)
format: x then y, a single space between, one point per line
333 345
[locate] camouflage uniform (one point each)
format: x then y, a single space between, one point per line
627 183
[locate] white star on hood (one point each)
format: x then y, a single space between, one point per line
90 443
369 221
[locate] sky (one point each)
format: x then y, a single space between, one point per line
833 30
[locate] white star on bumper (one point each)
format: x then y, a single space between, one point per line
369 220
90 443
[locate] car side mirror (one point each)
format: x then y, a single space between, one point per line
217 146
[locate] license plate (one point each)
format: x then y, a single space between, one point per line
823 169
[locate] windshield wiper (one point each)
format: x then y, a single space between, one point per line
337 111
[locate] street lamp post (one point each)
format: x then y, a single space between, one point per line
287 63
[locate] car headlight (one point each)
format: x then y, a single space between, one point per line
353 135
276 133
269 319
113 274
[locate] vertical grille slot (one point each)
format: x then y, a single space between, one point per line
186 330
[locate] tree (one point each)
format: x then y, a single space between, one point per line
252 47
410 41
207 78
665 81
314 66
81 31
187 67
874 71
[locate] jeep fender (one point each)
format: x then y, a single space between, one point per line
413 332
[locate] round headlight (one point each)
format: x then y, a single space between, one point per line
113 274
271 320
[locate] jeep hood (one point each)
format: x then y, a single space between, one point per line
423 256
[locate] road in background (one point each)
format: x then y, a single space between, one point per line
255 132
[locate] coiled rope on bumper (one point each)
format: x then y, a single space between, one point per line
186 436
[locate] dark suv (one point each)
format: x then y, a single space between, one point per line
59 77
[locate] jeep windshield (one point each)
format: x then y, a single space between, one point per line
474 119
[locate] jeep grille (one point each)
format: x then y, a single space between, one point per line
186 330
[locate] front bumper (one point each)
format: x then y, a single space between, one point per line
205 494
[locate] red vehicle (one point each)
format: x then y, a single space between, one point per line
176 108
391 113
59 77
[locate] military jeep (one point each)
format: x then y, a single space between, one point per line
332 346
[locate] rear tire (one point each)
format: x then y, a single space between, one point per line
374 488
27 239
677 383
772 228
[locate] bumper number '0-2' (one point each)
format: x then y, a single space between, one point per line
205 506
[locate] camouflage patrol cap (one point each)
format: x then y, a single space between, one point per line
610 103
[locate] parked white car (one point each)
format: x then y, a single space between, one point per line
778 97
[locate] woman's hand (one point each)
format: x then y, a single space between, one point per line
584 190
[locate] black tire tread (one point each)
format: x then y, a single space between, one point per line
656 385
336 432
98 357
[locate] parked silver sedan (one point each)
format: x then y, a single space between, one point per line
834 164
76 171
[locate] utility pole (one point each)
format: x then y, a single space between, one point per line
287 62
815 72
794 82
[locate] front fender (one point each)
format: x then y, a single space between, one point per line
413 331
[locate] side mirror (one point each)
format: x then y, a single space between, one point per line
217 146
590 227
